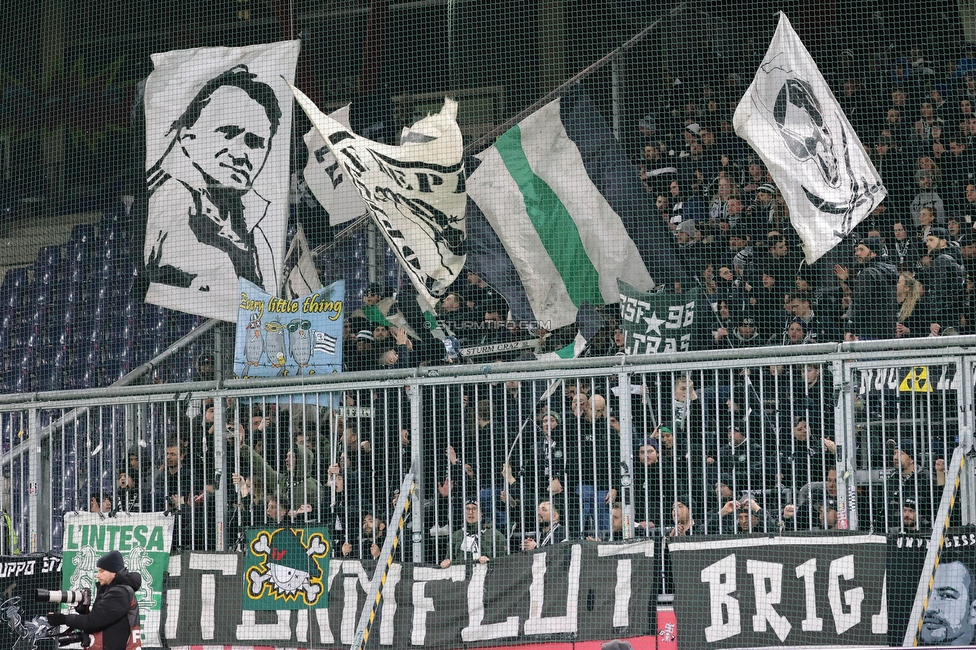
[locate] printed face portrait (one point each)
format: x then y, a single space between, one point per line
230 140
950 618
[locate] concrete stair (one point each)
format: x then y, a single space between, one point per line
20 239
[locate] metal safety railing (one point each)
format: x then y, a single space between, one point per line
853 436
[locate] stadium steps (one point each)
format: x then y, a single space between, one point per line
21 240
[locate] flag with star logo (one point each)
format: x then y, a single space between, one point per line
657 322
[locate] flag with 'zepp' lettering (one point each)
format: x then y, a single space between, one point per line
415 192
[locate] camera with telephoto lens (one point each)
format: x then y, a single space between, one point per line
73 637
73 597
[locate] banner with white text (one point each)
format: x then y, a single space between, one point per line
758 592
657 322
23 626
562 594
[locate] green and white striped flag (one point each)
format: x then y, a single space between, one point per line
559 228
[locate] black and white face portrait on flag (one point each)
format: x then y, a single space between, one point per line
791 118
948 614
415 192
218 125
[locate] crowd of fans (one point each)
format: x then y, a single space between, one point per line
912 258
514 466
906 271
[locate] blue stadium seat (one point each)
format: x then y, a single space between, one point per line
83 236
57 531
23 366
181 366
156 326
13 291
14 283
81 247
48 260
111 371
46 377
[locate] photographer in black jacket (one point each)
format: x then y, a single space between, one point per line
114 617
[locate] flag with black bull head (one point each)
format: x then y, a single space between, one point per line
415 192
792 120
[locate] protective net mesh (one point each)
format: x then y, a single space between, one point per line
206 191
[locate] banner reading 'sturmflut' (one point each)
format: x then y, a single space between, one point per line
277 337
143 539
790 117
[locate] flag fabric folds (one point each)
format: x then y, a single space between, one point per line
414 192
330 186
568 210
588 323
303 278
487 259
791 118
658 322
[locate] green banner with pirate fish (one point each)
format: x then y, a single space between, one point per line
286 568
143 539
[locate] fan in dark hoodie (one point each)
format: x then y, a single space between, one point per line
114 618
948 281
874 306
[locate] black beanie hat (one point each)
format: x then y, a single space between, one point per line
874 244
111 561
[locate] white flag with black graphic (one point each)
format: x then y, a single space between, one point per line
218 125
791 118
415 192
325 343
325 178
